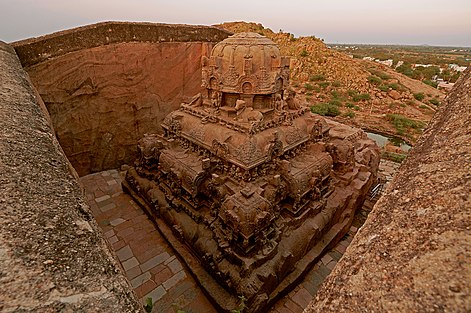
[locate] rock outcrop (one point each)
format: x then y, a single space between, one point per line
53 257
106 85
413 253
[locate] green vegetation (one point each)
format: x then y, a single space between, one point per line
449 76
438 57
425 74
352 92
423 106
362 96
323 84
149 305
350 114
336 102
411 54
336 83
395 157
336 94
430 83
242 305
383 88
308 86
325 109
380 74
304 53
352 106
396 86
419 96
405 69
317 78
402 123
421 72
374 80
358 96
434 101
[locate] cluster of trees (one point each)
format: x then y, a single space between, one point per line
426 74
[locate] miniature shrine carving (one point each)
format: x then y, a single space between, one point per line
246 183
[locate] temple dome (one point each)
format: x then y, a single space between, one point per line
247 63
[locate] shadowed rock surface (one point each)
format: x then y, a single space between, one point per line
106 85
53 257
413 253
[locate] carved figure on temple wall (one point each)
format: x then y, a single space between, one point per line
280 104
290 100
216 99
149 150
247 114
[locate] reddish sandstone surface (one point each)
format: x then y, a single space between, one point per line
106 92
102 100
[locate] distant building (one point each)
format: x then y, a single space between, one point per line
388 62
445 86
423 65
368 58
457 68
399 63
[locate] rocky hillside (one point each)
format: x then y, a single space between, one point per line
358 92
413 252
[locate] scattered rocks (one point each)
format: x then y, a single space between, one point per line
393 94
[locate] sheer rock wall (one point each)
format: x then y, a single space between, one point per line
106 85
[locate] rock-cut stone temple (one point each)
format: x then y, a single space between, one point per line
246 184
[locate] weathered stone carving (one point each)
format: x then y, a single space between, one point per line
149 151
253 184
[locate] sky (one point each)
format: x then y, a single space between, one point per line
417 22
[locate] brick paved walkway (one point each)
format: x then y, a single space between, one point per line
152 266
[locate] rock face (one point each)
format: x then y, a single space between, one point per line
413 253
108 84
52 255
247 185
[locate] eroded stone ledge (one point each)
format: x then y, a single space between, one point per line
35 50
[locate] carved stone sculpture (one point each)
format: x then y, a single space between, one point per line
247 185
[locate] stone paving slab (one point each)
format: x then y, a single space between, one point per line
152 266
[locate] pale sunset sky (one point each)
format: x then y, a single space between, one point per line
431 22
